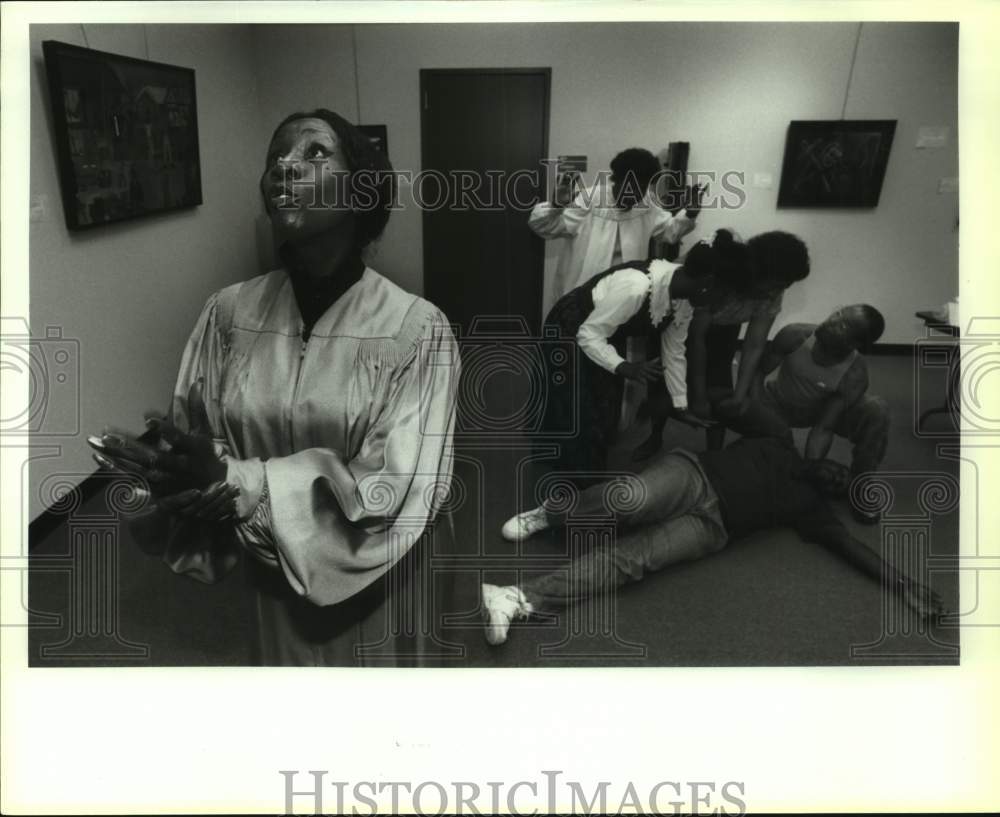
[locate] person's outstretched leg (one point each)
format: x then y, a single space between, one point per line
670 487
631 556
671 516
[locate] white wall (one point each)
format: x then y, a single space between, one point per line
730 89
130 293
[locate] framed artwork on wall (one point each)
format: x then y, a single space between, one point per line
126 135
835 163
378 135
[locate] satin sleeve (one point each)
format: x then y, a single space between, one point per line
337 524
549 221
671 228
204 551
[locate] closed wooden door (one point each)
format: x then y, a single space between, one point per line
484 131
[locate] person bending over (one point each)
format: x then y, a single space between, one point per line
640 299
746 293
690 506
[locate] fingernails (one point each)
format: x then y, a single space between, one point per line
95 441
104 462
113 439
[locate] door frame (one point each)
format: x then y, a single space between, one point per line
425 76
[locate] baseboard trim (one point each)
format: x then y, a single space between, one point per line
880 349
43 525
902 349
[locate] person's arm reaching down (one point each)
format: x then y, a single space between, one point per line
820 525
751 354
697 363
617 298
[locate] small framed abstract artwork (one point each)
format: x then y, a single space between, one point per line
378 135
835 163
126 135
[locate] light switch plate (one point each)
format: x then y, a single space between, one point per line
38 209
932 136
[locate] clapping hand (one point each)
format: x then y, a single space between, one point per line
182 469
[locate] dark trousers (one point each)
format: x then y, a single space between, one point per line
582 400
865 425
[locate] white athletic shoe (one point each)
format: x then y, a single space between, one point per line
501 605
524 525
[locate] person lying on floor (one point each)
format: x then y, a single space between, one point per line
816 377
688 506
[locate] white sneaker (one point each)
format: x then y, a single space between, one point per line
524 525
501 605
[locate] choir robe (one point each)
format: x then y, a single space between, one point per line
353 429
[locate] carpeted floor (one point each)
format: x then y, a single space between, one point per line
768 600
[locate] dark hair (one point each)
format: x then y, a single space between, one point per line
874 326
779 259
372 182
642 164
725 258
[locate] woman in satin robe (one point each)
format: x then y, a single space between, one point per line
312 424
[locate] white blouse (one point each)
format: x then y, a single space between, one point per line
594 228
617 298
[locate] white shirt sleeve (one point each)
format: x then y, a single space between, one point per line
549 221
673 352
617 298
671 228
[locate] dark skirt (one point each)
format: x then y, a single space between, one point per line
583 401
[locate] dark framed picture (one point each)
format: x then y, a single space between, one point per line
835 163
379 136
126 134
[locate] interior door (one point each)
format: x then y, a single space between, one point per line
488 126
